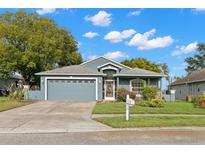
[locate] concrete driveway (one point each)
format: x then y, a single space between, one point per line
50 116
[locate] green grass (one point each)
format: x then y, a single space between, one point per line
179 107
161 121
6 104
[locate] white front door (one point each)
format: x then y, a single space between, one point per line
109 87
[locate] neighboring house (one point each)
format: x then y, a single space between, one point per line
191 85
97 79
5 84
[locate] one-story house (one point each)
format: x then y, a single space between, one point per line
97 79
191 85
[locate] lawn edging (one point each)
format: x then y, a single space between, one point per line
157 121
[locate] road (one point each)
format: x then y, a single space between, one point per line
109 137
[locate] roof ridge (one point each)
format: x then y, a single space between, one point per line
106 59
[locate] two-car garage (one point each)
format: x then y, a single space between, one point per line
84 89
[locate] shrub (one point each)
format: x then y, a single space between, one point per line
152 103
144 103
149 92
122 93
196 100
156 103
17 93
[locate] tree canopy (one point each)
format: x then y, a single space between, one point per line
30 44
197 61
143 63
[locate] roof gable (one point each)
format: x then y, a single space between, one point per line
101 61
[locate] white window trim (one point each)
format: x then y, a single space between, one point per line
109 64
110 67
131 85
71 77
109 98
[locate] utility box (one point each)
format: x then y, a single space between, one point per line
169 95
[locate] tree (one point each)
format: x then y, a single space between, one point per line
142 63
165 71
197 61
30 43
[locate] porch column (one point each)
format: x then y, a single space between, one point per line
160 87
117 85
148 81
117 82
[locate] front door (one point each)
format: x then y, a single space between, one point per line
109 89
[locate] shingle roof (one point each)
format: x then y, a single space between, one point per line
195 76
71 70
139 72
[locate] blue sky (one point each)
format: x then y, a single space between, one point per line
160 35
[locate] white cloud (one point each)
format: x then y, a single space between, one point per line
185 49
135 13
199 10
111 55
92 57
45 11
102 18
90 34
116 36
143 42
115 55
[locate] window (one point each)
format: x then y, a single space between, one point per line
137 85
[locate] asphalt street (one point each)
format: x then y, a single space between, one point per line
161 137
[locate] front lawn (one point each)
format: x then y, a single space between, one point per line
159 121
179 107
6 104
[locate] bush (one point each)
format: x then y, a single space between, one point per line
149 92
196 100
17 93
156 103
122 93
144 103
152 103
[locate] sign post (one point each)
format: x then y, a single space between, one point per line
129 102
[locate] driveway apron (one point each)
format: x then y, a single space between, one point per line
50 116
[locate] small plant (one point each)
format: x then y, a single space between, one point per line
152 103
156 103
122 93
17 93
198 101
149 92
144 103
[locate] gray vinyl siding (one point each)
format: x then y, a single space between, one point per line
5 83
98 62
184 90
125 82
181 91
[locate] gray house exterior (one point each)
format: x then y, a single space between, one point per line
97 79
191 85
5 84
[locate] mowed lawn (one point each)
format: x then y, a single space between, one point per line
6 104
159 121
178 107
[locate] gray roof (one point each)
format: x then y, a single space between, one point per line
71 70
195 76
140 72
